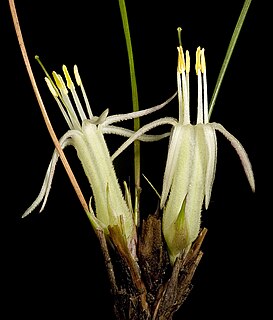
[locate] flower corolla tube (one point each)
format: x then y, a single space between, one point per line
191 161
86 135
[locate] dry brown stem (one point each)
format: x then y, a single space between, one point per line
149 288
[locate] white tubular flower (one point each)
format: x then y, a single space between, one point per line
85 134
191 162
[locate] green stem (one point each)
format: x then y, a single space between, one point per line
126 29
229 53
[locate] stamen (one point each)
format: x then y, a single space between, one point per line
50 87
79 83
205 90
181 60
187 75
184 112
69 81
185 100
59 82
187 61
66 101
71 86
180 98
56 96
197 60
199 86
202 60
77 75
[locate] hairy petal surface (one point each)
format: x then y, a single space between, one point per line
241 153
46 186
211 144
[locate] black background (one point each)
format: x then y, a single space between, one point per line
52 264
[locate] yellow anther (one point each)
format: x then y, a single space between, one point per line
198 60
203 61
181 60
77 76
69 81
51 88
59 82
187 61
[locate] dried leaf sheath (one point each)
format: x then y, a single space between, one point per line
149 288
